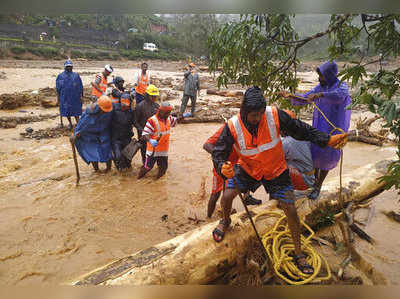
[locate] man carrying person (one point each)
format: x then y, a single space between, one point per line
191 89
156 133
141 81
121 130
69 93
92 133
254 134
332 97
100 84
144 110
219 183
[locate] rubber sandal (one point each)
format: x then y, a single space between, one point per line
303 267
218 232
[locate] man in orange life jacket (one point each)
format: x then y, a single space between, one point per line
218 182
140 82
156 133
254 134
100 84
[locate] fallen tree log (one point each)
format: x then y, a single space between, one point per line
225 93
195 258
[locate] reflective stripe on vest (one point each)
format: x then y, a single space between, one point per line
162 137
262 147
142 84
102 85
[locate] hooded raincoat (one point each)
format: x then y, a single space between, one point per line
333 103
70 90
94 141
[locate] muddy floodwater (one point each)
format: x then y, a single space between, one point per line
52 231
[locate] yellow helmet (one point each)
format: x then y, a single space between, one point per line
152 90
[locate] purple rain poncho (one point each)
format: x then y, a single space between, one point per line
333 103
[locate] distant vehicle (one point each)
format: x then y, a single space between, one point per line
133 29
150 47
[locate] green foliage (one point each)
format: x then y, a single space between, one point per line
48 52
77 54
11 39
18 50
392 179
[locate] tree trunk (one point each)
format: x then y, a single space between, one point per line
195 258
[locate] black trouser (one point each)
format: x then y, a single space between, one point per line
120 160
142 147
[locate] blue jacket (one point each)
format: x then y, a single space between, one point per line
70 90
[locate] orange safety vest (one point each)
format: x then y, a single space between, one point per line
103 87
161 130
114 100
142 84
260 156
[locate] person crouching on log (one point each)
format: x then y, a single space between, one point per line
156 134
121 129
218 182
298 159
254 133
92 133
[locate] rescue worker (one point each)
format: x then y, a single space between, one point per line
298 159
141 81
69 93
254 133
92 133
218 182
156 133
332 97
121 130
115 96
191 89
144 110
100 84
119 84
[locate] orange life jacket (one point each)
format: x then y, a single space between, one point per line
102 85
260 156
142 84
162 128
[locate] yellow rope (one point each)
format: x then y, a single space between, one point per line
279 245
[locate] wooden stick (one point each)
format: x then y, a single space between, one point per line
78 177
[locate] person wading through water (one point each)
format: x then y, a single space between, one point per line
92 133
144 110
69 93
218 182
121 130
156 133
254 134
332 97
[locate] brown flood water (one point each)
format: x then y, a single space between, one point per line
52 232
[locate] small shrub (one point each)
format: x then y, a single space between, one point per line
49 52
18 50
77 54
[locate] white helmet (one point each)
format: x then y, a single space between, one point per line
109 68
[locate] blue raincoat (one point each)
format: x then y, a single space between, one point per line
94 142
69 88
333 103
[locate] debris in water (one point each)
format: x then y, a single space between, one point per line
12 256
164 217
47 133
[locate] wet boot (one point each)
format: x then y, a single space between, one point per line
250 200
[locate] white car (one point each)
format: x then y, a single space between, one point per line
150 47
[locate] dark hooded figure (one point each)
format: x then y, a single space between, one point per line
121 130
254 134
331 97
